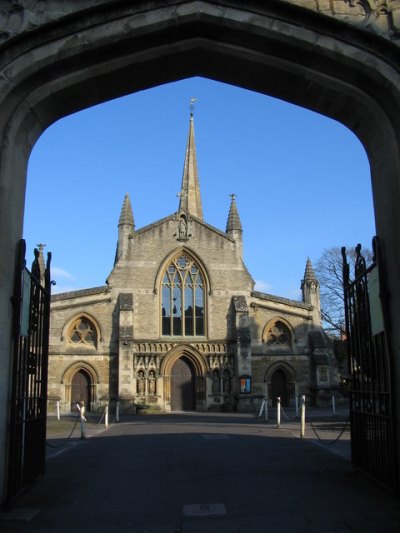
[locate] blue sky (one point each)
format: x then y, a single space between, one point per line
302 180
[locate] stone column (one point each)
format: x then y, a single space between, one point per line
243 353
126 381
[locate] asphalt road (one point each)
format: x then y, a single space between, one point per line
203 473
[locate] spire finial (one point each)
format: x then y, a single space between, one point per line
233 217
193 100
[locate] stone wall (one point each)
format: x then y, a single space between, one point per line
378 16
149 252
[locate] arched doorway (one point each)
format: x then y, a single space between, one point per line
279 387
274 48
182 385
81 390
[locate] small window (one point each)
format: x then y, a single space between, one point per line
83 333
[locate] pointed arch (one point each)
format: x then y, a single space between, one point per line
175 253
72 369
280 365
193 355
280 379
196 362
275 48
92 382
82 330
183 284
278 332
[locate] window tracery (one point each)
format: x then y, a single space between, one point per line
278 334
83 332
183 300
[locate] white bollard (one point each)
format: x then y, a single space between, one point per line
333 405
261 408
81 409
58 409
106 416
117 412
278 412
303 416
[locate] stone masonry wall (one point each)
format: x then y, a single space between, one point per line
377 16
149 250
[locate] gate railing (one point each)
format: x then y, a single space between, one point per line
372 422
29 372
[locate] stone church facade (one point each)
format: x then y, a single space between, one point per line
179 326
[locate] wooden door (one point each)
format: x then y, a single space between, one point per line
279 387
182 386
80 390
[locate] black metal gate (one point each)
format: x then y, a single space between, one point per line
373 439
29 386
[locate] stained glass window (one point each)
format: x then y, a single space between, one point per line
182 306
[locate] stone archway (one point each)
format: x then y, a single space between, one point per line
184 375
53 65
281 381
80 384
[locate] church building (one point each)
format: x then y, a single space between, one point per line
179 327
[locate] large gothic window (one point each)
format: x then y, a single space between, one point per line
182 306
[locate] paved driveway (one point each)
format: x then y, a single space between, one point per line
203 473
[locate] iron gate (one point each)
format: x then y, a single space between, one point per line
373 440
29 378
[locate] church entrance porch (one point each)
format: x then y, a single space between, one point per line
182 386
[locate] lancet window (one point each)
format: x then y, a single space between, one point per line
183 301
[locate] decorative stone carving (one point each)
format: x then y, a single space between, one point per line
126 301
20 16
378 16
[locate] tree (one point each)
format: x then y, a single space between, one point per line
328 271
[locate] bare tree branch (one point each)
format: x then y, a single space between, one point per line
329 274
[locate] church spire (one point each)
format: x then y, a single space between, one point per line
310 290
309 274
190 200
126 226
126 217
233 217
234 226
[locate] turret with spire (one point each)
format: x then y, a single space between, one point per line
234 226
190 199
126 226
310 291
